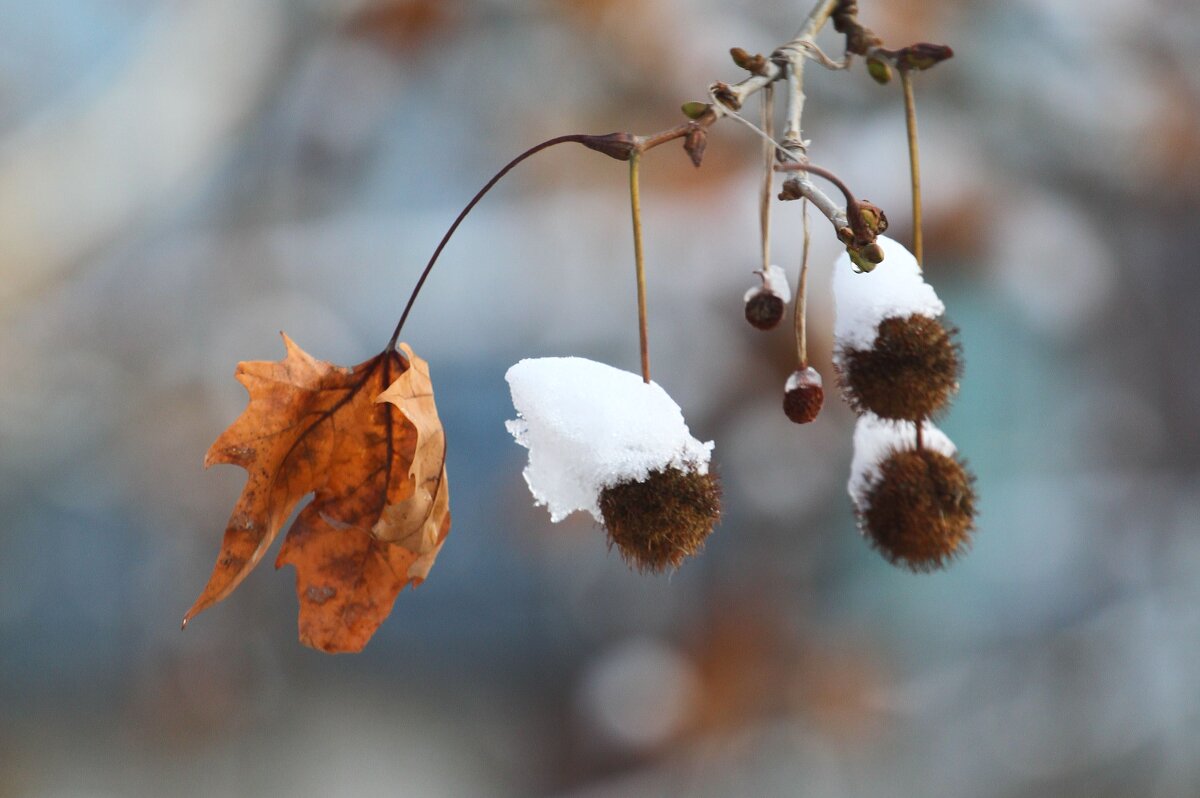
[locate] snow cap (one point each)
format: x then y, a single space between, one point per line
775 281
876 438
894 288
588 426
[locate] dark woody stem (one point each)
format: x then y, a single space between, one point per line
828 175
852 208
653 140
627 147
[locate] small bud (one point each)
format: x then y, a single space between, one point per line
923 55
879 71
803 396
726 95
873 253
920 510
764 309
694 143
752 63
909 373
872 216
791 190
660 521
694 109
615 145
861 264
844 14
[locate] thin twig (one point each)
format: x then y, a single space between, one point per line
662 137
771 72
792 52
817 54
793 139
830 209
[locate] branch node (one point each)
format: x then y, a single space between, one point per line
620 146
725 94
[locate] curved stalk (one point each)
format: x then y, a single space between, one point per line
576 137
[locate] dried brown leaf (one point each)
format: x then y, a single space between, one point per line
376 468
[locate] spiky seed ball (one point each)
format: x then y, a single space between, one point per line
909 372
764 309
920 511
665 518
803 395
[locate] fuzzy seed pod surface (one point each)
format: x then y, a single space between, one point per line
658 522
765 303
909 372
920 511
764 310
803 396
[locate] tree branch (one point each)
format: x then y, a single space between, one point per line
734 96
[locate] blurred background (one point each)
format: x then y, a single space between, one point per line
179 181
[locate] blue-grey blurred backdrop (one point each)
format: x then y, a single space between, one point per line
180 180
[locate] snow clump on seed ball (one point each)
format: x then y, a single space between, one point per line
603 441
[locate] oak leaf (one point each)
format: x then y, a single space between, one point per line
367 443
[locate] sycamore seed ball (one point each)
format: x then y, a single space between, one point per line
909 372
765 303
764 310
803 396
920 510
661 520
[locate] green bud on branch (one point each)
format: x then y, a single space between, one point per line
879 71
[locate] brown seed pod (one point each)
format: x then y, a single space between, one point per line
909 373
662 520
803 396
764 309
920 511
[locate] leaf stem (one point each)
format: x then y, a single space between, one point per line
635 205
576 137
